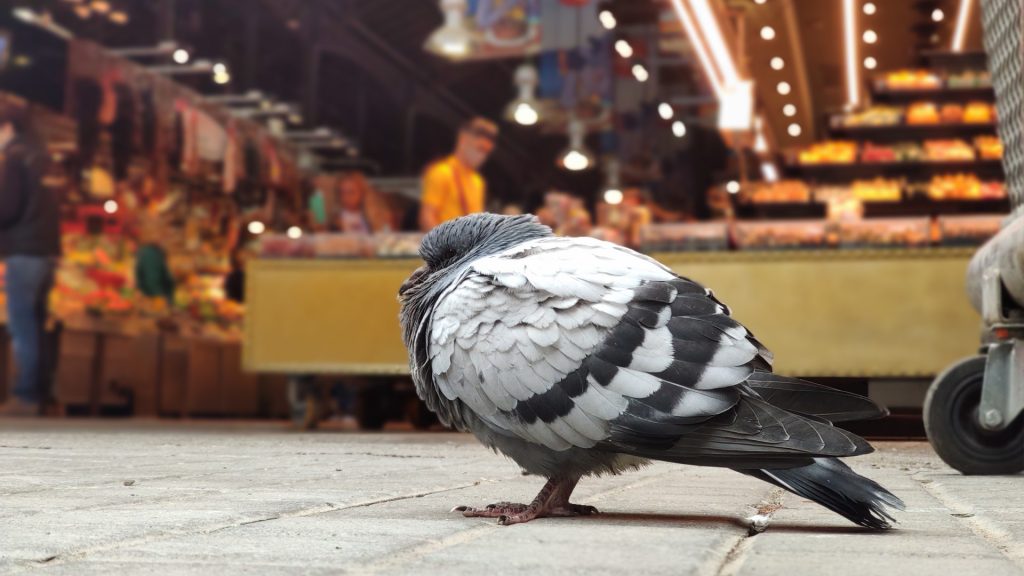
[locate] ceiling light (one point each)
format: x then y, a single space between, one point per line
453 39
100 6
180 56
256 227
784 88
665 111
938 15
697 41
678 129
732 187
607 19
294 232
870 63
220 68
769 172
119 17
760 1
576 157
110 206
960 33
640 73
623 48
523 110
795 130
789 110
716 41
767 33
613 196
83 11
778 63
870 8
852 60
870 36
222 78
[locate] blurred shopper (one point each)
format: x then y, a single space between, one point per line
453 187
30 243
153 275
362 210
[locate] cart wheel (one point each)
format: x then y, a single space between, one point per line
951 422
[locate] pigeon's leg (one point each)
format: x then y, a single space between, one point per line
552 501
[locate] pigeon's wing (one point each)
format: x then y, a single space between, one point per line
580 343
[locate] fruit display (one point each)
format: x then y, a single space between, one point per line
785 191
874 116
829 152
951 150
963 187
698 236
342 245
281 246
781 234
911 80
970 79
395 245
877 190
969 230
922 113
898 152
989 147
979 113
884 232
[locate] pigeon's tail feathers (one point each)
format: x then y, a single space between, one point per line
835 486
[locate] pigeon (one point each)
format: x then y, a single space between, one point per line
577 357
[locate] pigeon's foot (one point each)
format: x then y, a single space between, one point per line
552 502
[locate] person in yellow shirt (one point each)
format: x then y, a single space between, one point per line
453 187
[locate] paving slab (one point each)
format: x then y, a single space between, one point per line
157 497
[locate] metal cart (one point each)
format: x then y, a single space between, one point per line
974 411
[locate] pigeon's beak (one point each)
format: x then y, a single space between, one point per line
412 280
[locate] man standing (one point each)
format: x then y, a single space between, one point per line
453 187
30 244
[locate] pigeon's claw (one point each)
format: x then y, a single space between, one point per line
552 502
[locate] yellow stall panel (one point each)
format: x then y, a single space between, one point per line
883 313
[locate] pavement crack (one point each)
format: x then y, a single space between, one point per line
982 527
738 547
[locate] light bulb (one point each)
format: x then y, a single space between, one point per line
870 36
525 114
222 78
679 129
869 8
623 48
575 160
613 196
665 111
294 232
180 56
784 88
640 73
607 19
789 110
870 63
110 206
767 33
220 68
732 187
778 63
452 39
256 227
938 15
795 130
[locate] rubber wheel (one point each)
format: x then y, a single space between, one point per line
951 422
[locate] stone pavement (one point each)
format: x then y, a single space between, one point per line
129 497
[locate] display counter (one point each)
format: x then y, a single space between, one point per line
885 313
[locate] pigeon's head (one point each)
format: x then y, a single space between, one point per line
457 242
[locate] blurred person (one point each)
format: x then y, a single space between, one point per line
234 282
153 275
320 204
30 243
362 210
453 186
